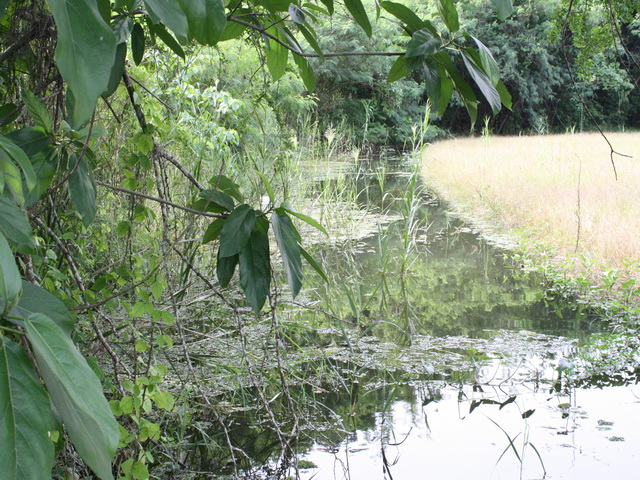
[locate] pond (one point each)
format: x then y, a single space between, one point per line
435 354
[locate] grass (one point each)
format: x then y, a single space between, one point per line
558 192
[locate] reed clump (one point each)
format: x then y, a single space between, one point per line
557 192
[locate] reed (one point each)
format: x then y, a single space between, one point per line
559 192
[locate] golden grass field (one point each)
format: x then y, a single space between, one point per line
542 188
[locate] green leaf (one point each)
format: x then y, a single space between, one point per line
143 142
38 112
76 393
432 81
329 5
446 90
213 230
10 178
277 56
35 299
116 71
503 8
483 82
449 15
224 183
359 14
8 113
422 43
237 230
137 43
232 30
3 7
255 270
225 267
85 53
505 96
167 38
25 417
214 201
311 261
398 70
21 158
169 13
311 37
461 86
10 281
489 64
291 211
405 15
289 250
206 19
297 14
306 72
15 226
122 27
82 190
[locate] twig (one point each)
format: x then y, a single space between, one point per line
158 200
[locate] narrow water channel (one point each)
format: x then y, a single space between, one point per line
449 360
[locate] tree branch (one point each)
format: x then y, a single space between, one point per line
158 200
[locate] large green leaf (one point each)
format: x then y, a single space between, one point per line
461 86
214 200
503 8
213 230
449 14
307 256
225 267
483 82
116 71
277 56
398 70
206 19
170 14
306 72
359 14
35 299
446 90
82 190
85 53
21 158
162 33
25 417
228 186
38 112
76 393
237 230
289 249
10 281
405 15
137 43
422 43
15 226
255 270
505 96
487 61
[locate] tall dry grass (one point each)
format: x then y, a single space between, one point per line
558 190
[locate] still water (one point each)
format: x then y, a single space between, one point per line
444 359
480 346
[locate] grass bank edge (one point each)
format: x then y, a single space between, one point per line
533 195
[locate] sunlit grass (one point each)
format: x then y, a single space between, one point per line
559 191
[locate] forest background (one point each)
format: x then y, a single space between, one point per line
198 139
